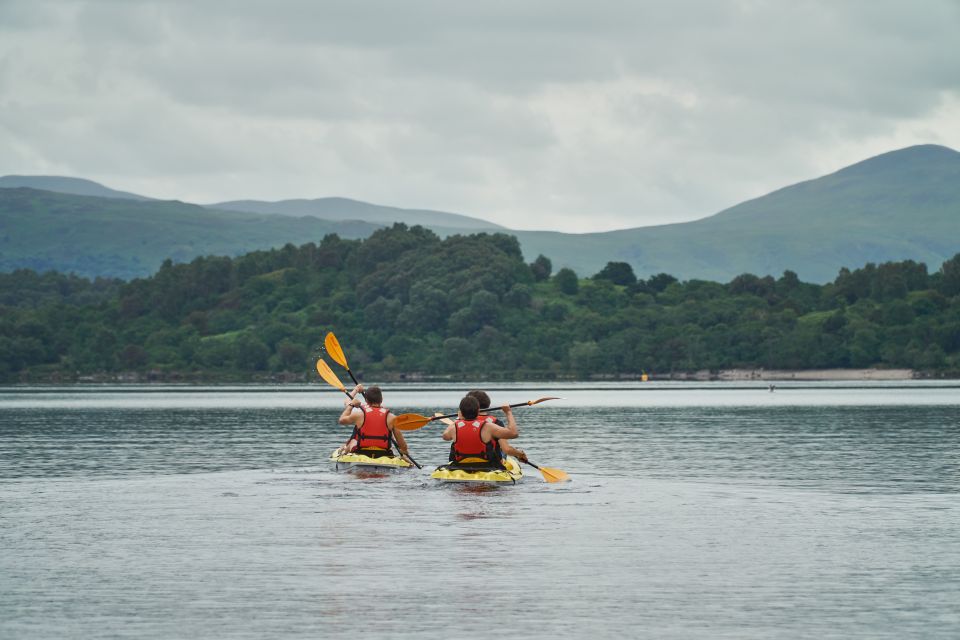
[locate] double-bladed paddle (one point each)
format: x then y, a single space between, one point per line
336 352
330 377
414 421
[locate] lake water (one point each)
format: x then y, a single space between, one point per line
695 511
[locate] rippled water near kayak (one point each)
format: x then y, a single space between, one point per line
695 511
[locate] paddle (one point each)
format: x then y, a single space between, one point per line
336 352
330 377
414 421
549 475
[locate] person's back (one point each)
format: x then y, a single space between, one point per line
474 439
503 448
373 426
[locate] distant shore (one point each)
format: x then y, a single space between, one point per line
741 375
801 374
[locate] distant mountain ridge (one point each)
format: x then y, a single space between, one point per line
900 205
347 209
61 184
95 236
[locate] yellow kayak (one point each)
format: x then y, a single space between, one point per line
342 461
511 475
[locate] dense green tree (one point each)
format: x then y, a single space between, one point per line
950 276
618 273
541 268
567 281
407 301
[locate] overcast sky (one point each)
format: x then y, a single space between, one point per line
547 114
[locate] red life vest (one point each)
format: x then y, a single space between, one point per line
374 432
469 444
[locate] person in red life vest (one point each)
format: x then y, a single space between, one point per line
505 448
373 425
474 439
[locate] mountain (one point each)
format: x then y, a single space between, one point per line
60 184
899 205
896 206
346 209
95 236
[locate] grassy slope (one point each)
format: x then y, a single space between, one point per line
93 236
900 205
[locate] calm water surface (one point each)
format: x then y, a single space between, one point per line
695 511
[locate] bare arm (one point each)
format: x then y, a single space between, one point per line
511 450
508 432
397 434
449 433
348 417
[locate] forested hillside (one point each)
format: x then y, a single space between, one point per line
110 236
404 301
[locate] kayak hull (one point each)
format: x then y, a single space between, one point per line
344 461
511 475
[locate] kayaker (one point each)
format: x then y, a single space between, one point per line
505 448
475 440
373 425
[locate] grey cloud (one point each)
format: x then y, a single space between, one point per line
564 115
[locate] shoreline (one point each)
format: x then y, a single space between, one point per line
722 375
821 375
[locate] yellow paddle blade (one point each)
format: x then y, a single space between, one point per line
554 475
530 403
327 374
333 348
410 421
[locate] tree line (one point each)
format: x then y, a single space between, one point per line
405 302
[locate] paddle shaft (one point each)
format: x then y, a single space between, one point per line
454 415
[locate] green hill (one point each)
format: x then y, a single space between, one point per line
900 205
346 209
469 307
60 184
93 236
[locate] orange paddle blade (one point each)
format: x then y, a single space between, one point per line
410 421
533 402
333 348
327 374
554 475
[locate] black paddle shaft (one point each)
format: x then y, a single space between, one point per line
355 381
454 415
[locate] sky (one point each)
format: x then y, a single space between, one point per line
572 116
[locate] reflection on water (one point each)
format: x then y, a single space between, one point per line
699 511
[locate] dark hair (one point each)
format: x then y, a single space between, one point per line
373 395
481 397
469 407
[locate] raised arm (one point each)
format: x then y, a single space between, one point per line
508 432
348 417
